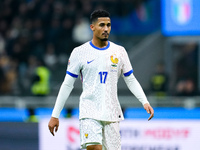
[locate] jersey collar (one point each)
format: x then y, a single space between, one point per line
104 48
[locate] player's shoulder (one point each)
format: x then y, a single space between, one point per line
81 48
119 47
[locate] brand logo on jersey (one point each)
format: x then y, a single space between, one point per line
88 62
114 60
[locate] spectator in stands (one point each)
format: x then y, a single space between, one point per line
81 31
8 74
188 59
26 77
186 78
41 80
186 87
159 81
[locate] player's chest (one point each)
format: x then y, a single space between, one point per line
101 60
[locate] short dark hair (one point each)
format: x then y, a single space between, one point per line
97 14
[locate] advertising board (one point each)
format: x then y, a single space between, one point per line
136 134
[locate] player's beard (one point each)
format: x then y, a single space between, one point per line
104 39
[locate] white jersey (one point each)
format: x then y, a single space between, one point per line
100 69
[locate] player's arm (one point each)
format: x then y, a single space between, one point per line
63 95
135 87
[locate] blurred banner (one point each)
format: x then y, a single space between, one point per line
135 135
180 17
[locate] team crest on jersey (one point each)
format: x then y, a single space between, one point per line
86 135
114 60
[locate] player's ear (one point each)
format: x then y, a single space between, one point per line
92 27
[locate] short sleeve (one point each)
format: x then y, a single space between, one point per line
126 66
73 68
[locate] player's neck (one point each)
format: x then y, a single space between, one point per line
99 43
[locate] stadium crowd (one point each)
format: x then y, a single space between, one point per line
36 36
35 31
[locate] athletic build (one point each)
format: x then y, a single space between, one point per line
100 63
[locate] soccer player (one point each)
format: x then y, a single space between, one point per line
100 63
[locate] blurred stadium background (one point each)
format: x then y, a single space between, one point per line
162 38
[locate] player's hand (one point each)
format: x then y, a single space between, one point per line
149 110
53 124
